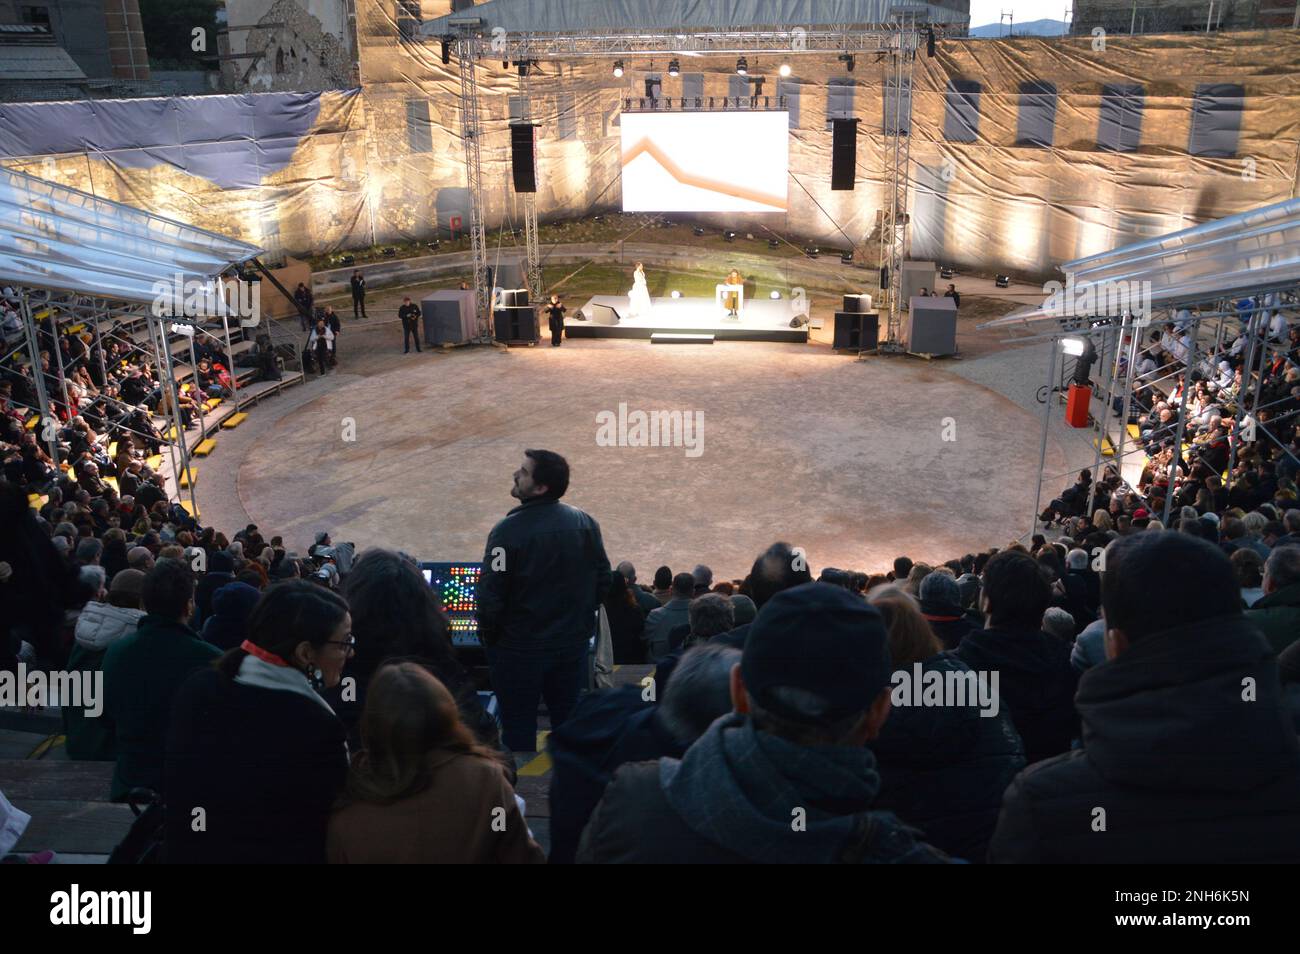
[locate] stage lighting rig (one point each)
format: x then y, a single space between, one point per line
674 68
729 236
698 230
1002 281
773 243
742 66
618 67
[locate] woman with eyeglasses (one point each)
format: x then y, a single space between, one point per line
255 755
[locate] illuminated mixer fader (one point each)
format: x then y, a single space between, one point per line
454 586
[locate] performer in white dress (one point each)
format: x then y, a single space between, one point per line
640 295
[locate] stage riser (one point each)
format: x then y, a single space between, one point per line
795 335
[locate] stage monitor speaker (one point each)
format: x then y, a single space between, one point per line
521 156
856 332
516 324
858 304
603 315
931 326
844 154
515 297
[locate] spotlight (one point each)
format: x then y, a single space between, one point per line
847 60
785 69
390 251
846 257
618 67
945 272
676 293
729 235
446 52
674 68
775 295
742 67
523 67
929 42
1002 281
811 251
698 230
1072 346
773 243
505 64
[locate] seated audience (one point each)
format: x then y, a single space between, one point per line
1180 763
142 672
1036 679
254 751
100 625
811 689
422 789
942 767
621 725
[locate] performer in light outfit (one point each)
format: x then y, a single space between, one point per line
732 300
640 295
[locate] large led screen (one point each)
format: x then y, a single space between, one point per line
705 161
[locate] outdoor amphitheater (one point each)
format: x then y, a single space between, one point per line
573 432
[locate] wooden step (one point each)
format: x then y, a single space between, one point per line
189 478
190 509
205 447
234 420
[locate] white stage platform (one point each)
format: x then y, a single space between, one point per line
762 320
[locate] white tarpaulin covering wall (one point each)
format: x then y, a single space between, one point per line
59 238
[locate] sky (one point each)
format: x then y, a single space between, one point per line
987 11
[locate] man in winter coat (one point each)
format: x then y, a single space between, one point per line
1036 680
1189 754
786 777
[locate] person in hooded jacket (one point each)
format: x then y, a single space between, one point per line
787 776
220 571
1036 680
227 627
617 726
942 767
1188 767
100 625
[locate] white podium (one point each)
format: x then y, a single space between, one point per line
724 289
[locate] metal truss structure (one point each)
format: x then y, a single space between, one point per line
895 42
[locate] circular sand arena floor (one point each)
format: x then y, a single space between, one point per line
856 462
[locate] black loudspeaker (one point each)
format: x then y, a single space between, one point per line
852 304
516 324
515 297
521 157
856 332
844 155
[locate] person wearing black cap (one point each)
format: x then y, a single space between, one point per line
221 570
787 776
1189 754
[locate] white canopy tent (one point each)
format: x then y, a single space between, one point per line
1244 254
62 239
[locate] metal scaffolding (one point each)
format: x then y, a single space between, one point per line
900 39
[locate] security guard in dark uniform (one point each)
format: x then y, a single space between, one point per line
410 315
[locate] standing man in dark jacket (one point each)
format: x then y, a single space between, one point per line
544 574
1036 680
786 777
305 301
220 571
358 284
409 313
1189 755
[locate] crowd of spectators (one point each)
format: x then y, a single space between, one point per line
313 706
